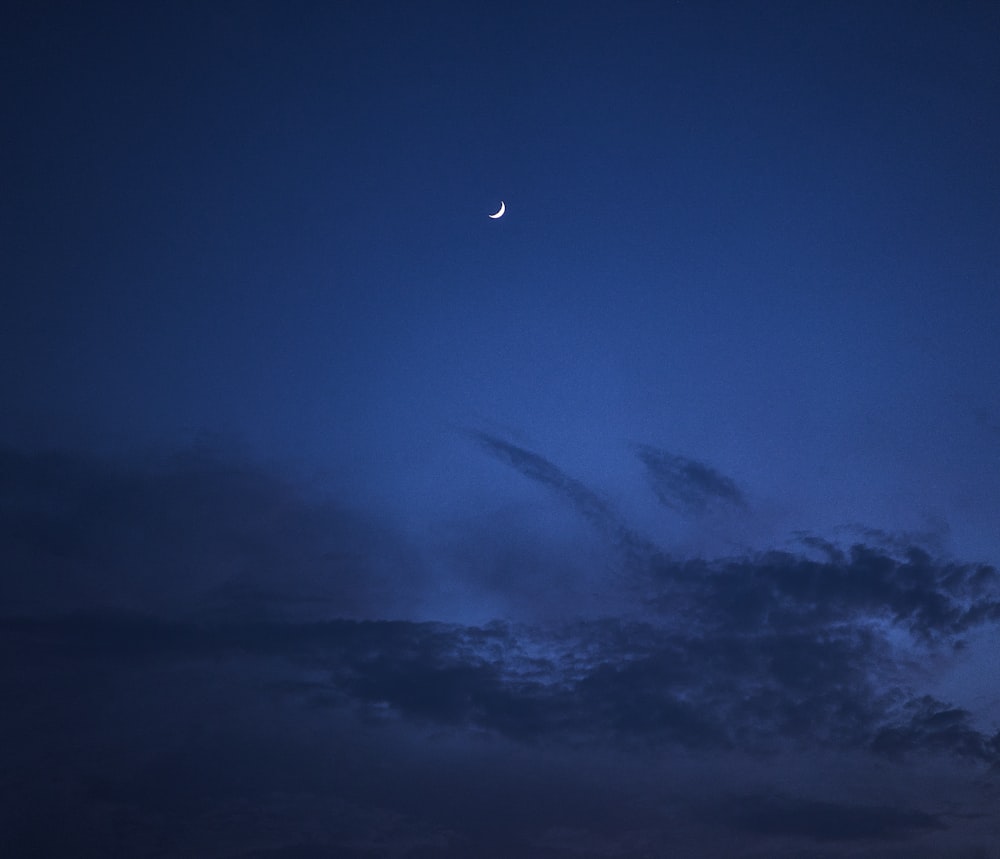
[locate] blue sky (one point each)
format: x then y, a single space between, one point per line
278 394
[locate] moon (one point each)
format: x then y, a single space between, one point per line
500 211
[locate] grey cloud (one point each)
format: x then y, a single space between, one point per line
749 652
600 683
595 686
309 851
537 468
780 591
686 485
933 726
783 591
750 656
932 538
197 530
782 817
584 500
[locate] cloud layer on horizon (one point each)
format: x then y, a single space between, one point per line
122 578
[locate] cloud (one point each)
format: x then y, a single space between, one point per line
749 653
686 485
308 851
197 530
605 684
782 591
277 613
826 821
932 538
584 500
933 726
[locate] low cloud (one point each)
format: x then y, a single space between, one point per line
781 591
781 817
151 606
930 725
198 530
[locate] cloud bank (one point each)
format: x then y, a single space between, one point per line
200 621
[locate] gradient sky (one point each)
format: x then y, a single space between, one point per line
659 517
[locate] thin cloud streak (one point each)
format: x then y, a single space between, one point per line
686 485
598 512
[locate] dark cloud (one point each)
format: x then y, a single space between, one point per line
686 485
288 636
748 653
932 538
196 530
309 851
739 653
589 504
782 591
929 725
609 683
781 817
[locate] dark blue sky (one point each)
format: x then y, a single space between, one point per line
661 514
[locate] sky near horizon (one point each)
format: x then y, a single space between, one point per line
660 515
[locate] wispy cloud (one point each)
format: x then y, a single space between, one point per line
588 503
686 485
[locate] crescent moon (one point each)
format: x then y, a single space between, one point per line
500 211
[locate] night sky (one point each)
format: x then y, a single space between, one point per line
659 517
